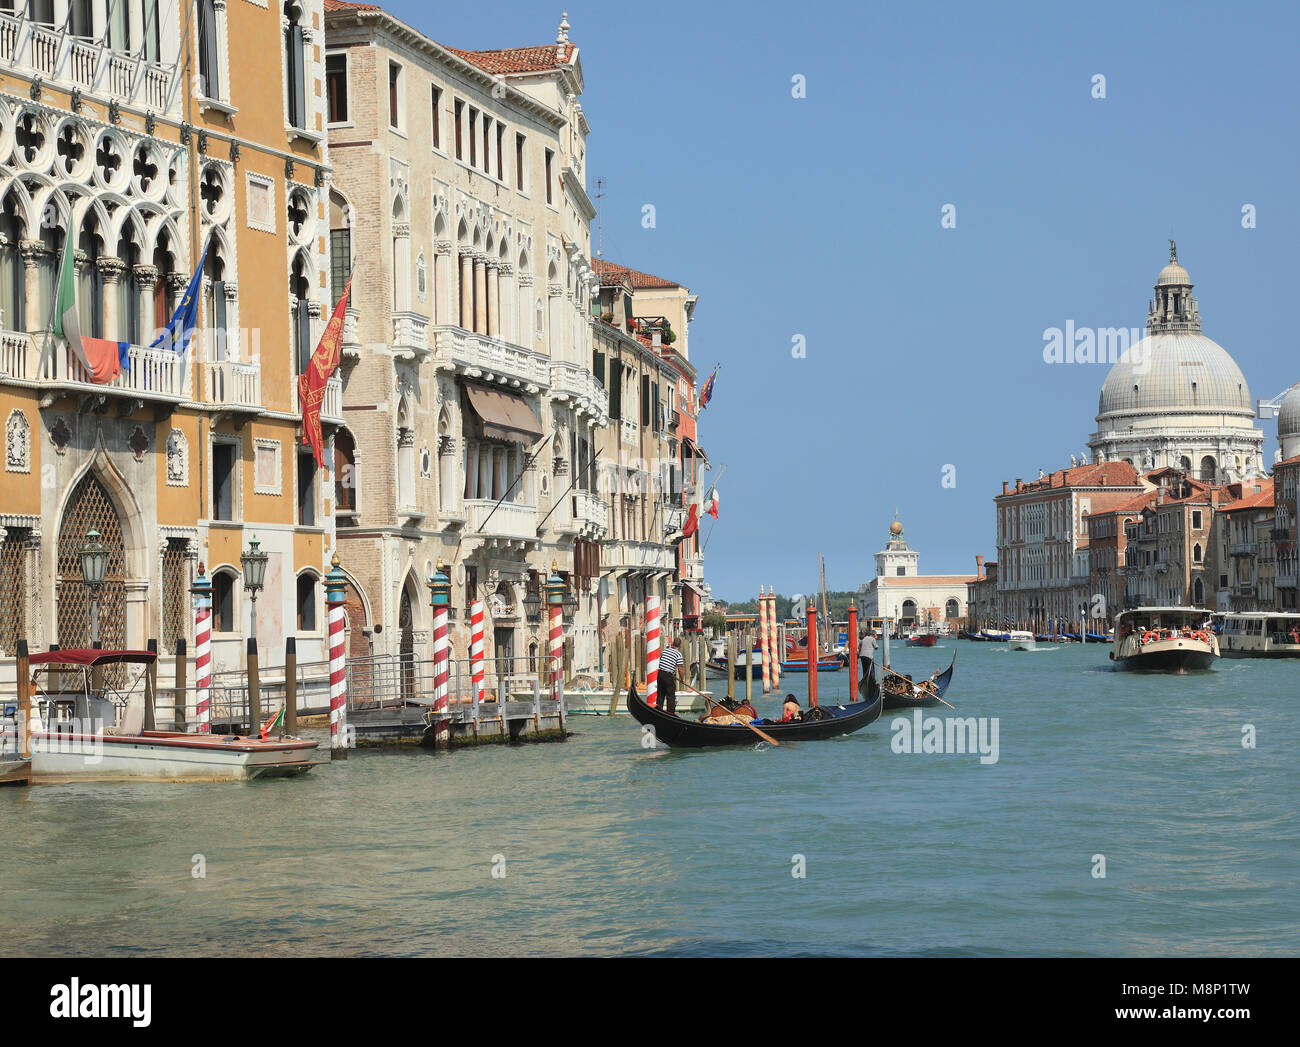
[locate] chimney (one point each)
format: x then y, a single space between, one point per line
1020 483
1006 487
979 565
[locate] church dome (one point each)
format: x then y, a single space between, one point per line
1173 275
1176 372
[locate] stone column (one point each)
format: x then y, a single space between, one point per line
480 294
33 254
147 277
441 296
466 291
111 271
493 298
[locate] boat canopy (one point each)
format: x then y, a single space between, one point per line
89 656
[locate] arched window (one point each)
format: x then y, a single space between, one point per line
345 472
223 602
307 599
1185 464
340 246
12 307
294 66
1198 592
128 294
164 262
214 301
90 280
951 609
300 322
908 610
1196 553
1208 468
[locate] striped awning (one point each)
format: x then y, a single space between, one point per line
505 416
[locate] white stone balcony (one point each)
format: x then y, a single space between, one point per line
54 55
331 408
693 569
150 374
490 359
510 520
592 512
578 386
410 335
631 431
237 386
638 556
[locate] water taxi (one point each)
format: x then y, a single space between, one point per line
1170 639
80 728
1260 634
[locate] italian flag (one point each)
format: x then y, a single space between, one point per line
711 503
275 721
101 358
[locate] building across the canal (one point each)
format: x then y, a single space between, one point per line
899 591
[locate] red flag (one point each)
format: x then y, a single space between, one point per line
311 386
692 521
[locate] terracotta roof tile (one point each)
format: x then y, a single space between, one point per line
520 59
1262 499
612 273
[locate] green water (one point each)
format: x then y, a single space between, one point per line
607 847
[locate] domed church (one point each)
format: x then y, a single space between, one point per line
1176 398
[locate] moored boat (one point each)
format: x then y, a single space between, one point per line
1164 639
1260 634
80 731
922 640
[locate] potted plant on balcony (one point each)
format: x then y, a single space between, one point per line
607 318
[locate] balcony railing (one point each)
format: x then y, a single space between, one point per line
331 408
53 54
636 556
578 385
590 514
1241 549
232 384
509 520
410 334
693 569
480 356
150 374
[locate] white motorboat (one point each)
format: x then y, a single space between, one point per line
77 729
1260 634
1021 640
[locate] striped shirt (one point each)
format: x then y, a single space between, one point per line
670 660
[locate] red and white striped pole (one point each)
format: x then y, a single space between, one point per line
652 650
336 583
764 647
440 597
202 590
476 648
556 588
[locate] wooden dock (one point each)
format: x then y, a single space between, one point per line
15 772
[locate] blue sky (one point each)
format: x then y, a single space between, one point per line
820 217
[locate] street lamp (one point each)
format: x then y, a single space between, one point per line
570 601
253 562
533 604
94 566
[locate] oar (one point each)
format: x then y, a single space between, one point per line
911 684
766 737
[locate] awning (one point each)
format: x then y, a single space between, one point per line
505 416
90 657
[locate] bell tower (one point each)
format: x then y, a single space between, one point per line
1173 308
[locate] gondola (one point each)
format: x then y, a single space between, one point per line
890 700
835 720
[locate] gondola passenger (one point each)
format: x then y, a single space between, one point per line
791 712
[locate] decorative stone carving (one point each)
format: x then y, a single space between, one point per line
18 443
178 459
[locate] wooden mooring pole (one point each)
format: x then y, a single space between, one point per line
290 686
179 719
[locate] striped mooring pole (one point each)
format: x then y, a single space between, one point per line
440 598
652 650
202 592
476 648
764 645
555 590
336 584
773 640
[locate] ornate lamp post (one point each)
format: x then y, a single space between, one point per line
94 567
253 562
532 605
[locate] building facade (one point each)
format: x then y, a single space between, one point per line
1044 570
1170 558
472 413
900 592
146 131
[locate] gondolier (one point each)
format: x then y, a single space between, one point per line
669 662
867 650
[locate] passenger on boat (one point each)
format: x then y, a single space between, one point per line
791 712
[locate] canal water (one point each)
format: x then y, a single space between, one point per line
600 846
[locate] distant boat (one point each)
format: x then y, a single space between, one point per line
894 691
1261 634
922 640
1021 640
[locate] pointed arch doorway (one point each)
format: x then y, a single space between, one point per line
406 645
91 507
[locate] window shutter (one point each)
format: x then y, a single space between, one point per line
645 399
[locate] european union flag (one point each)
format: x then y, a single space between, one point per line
176 335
